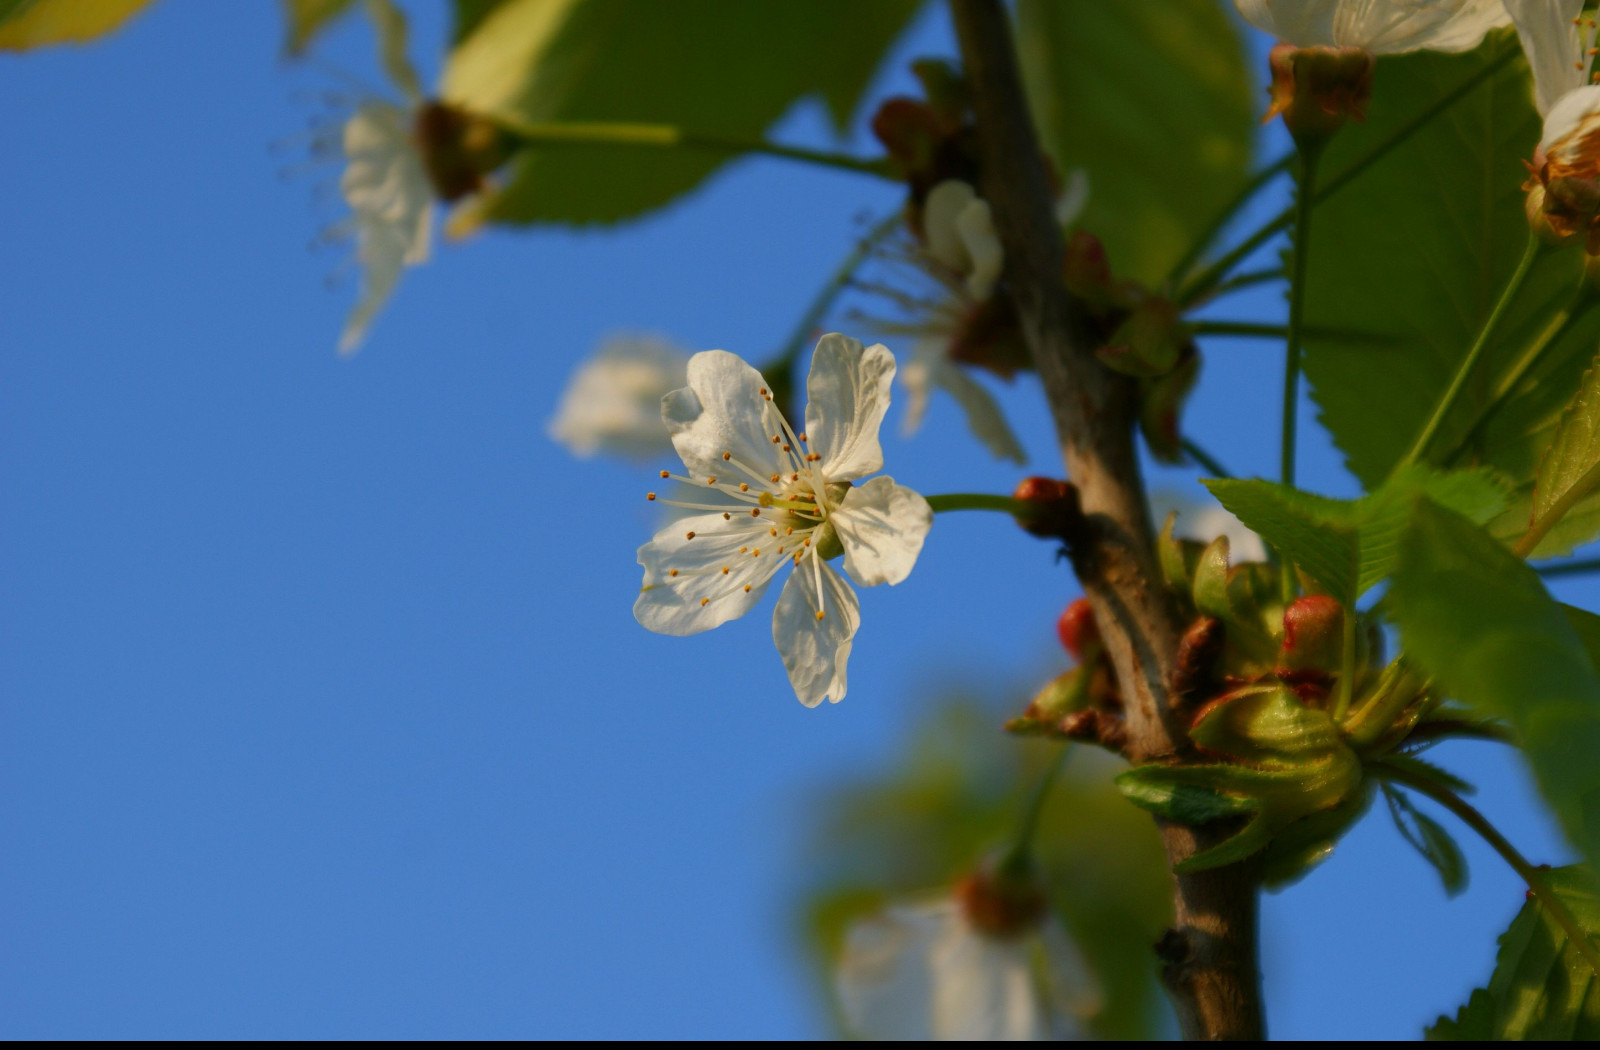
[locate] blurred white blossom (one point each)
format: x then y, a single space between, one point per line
927 971
771 497
612 403
1383 27
391 203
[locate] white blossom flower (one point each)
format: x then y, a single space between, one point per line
770 497
612 404
926 971
391 201
1382 27
960 236
1556 39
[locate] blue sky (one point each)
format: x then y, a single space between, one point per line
324 710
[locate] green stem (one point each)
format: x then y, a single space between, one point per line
829 292
1304 200
1248 279
1204 459
669 136
980 501
1448 401
1229 210
1571 568
1020 855
1209 278
1255 330
1559 325
1538 885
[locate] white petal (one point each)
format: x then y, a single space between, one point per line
884 981
1550 41
815 651
976 226
678 604
612 403
722 410
882 526
984 418
1073 988
984 988
917 378
847 394
1569 125
1383 27
392 201
943 204
1074 197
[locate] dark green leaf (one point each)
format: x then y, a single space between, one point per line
1541 988
1478 620
1122 89
1428 839
1420 246
708 66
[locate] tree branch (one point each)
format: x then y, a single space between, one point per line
1210 957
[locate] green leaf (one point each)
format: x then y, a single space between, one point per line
1450 194
1577 527
1570 471
1478 620
307 18
1120 90
707 66
1541 988
27 24
1348 546
1429 839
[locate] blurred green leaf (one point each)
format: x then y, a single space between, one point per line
710 66
1570 471
1541 988
393 44
307 18
27 24
1450 194
1577 527
1121 90
1429 839
1478 620
957 797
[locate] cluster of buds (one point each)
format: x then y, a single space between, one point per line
1082 703
1142 336
1316 89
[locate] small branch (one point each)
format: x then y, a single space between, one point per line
668 136
1211 966
1570 568
979 501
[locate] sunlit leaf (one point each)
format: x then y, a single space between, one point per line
1570 471
1541 988
26 24
1122 89
1429 839
1419 246
1478 620
708 66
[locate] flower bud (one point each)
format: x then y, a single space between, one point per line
1317 88
1077 630
1312 633
1000 904
1052 511
910 132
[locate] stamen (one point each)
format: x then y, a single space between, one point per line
707 601
726 516
666 473
755 512
649 495
724 570
688 535
747 588
743 487
820 613
727 456
773 531
672 572
802 437
711 481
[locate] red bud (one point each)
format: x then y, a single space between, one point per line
1053 511
1312 633
1077 628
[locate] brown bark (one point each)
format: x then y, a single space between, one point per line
1209 956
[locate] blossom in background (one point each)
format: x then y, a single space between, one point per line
391 204
1381 27
769 497
612 404
1205 521
941 969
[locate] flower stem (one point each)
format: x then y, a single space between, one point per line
1255 330
1249 279
1209 278
669 136
1571 568
1448 401
979 501
1204 459
1304 199
1538 885
829 292
1229 210
1021 853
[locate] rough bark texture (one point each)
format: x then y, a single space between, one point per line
1209 956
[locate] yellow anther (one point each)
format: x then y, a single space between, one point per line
755 512
726 516
747 588
804 438
666 473
727 456
743 549
673 572
794 477
688 535
774 479
724 570
776 439
707 601
743 487
789 531
808 541
780 550
773 531
786 448
649 495
820 613
711 481
763 390
756 553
